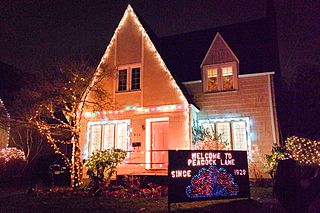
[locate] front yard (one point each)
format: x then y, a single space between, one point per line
17 200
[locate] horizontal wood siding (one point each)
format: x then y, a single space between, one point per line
251 100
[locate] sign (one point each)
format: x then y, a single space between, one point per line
196 175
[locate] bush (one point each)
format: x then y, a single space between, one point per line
278 153
12 162
303 150
101 166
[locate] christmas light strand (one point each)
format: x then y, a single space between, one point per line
8 116
138 110
303 150
212 182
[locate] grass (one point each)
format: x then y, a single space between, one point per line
17 200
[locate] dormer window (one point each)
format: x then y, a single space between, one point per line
129 78
212 79
219 67
227 78
220 77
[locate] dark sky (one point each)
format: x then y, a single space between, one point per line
37 34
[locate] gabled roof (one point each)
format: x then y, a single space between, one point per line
219 42
149 35
252 42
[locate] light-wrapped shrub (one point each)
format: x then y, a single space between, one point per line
12 162
303 150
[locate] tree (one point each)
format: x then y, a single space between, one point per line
60 99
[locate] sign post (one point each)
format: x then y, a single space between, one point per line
196 175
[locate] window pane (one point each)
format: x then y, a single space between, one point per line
209 127
223 129
135 78
212 79
122 136
239 135
95 138
122 84
108 141
227 78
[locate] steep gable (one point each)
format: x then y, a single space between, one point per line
219 52
252 42
111 56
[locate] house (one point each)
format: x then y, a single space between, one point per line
4 130
161 87
12 81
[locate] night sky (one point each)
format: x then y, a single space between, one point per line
35 35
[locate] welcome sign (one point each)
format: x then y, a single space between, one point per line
207 175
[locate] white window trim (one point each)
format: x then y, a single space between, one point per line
129 68
87 149
246 119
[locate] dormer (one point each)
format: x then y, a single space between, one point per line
219 67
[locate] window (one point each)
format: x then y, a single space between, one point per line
223 129
135 78
95 137
212 79
122 85
227 82
239 135
129 78
220 77
233 132
109 135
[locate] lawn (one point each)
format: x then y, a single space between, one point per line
17 200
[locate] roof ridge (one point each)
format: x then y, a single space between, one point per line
213 28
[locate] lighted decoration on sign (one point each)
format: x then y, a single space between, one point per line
207 175
212 182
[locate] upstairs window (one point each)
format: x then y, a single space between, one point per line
122 83
227 81
129 78
220 77
135 78
212 79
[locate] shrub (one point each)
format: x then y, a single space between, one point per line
278 153
101 166
303 150
12 162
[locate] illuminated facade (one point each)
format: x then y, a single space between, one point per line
157 95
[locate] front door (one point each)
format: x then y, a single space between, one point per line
159 144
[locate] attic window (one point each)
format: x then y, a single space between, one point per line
122 83
129 78
227 82
212 79
220 77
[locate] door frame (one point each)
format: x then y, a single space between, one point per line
148 138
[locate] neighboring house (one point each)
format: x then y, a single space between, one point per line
4 129
12 80
162 86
